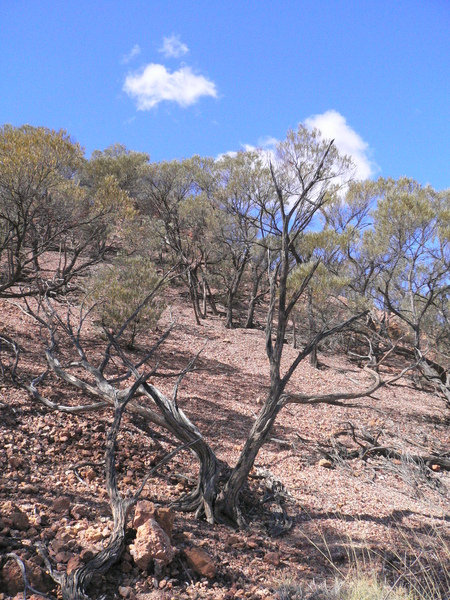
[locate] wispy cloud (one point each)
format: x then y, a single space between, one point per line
155 83
266 145
173 47
334 126
135 51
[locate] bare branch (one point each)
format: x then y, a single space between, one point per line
337 398
27 587
313 343
188 369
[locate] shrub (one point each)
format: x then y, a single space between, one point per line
118 290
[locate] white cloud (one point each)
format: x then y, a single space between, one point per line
173 47
266 145
135 51
155 83
334 126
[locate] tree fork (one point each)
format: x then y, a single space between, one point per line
228 501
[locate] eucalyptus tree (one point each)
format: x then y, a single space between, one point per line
327 294
244 186
182 217
410 244
51 227
258 266
342 278
127 168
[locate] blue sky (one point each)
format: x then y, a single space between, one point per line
175 78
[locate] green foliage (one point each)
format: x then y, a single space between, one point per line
168 188
409 249
125 166
37 173
41 204
117 291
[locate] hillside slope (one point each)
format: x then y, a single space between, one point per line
373 509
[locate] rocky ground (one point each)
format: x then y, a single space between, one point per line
374 512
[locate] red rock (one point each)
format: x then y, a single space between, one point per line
272 558
93 534
61 504
37 577
165 519
58 545
144 510
12 577
90 475
20 521
15 462
63 557
151 543
80 510
73 564
200 562
232 540
125 567
86 555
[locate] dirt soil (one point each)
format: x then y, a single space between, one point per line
373 512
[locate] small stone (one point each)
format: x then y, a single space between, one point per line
14 462
200 562
73 564
125 591
90 475
325 463
63 557
93 535
232 540
20 521
61 504
86 555
272 558
79 511
126 567
57 545
29 489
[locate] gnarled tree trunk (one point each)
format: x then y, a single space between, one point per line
228 502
